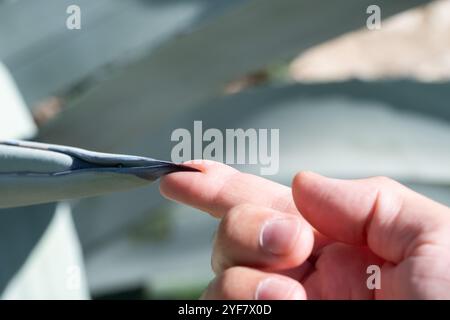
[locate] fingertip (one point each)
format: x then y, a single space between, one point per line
201 164
197 188
172 181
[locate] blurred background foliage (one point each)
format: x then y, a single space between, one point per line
349 102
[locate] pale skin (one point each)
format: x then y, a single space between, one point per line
316 239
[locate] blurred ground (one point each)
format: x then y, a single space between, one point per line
413 44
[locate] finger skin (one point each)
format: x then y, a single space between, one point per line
340 273
379 212
244 237
241 283
219 187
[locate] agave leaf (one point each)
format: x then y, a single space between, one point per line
32 173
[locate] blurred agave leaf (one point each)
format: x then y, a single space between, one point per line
40 251
46 58
187 70
21 229
15 119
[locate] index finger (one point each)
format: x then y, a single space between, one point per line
218 188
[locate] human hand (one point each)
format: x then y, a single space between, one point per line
266 249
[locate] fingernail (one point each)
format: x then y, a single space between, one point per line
278 236
278 289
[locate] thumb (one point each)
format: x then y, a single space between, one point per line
391 219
